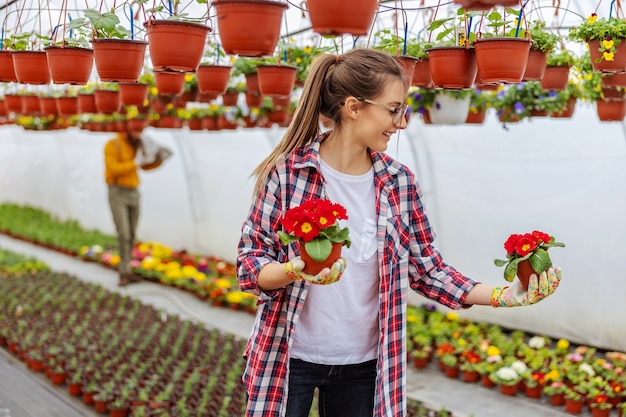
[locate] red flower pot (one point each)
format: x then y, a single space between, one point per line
175 45
508 389
312 266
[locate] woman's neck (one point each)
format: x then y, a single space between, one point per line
344 155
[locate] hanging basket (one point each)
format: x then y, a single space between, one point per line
31 67
230 98
119 60
614 80
175 45
449 110
13 103
249 27
536 65
555 78
611 110
452 67
276 80
133 94
48 106
476 117
407 63
7 71
87 103
30 105
169 83
502 60
421 74
67 106
213 78
107 101
568 112
336 18
69 65
599 64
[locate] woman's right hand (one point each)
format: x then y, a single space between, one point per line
326 276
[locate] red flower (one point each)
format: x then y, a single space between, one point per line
540 237
306 220
599 399
525 245
511 242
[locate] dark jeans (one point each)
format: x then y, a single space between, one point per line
344 390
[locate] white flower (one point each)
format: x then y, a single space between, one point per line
519 367
507 374
586 368
536 342
97 249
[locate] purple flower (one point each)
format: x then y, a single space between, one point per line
519 108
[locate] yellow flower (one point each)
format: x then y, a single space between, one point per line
493 351
189 78
608 55
562 344
608 43
592 18
235 297
83 250
115 259
173 273
452 316
553 375
307 49
189 271
154 91
222 283
298 60
199 276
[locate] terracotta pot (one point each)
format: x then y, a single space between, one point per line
249 27
611 110
573 407
452 67
224 124
87 103
596 412
281 102
195 124
599 64
213 78
30 105
119 60
508 116
69 65
133 94
101 405
557 399
48 105
13 103
451 371
614 80
421 362
136 124
74 389
421 74
276 80
209 123
107 101
568 111
538 113
207 97
536 65
254 99
278 116
3 112
612 93
407 63
169 83
335 18
555 78
508 389
7 70
31 67
252 83
175 45
477 117
67 106
502 60
170 122
230 99
534 392
470 376
313 267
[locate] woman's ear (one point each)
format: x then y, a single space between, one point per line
352 107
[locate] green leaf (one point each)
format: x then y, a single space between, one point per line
318 249
540 260
500 262
510 271
106 20
286 238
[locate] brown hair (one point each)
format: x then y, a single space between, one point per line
361 72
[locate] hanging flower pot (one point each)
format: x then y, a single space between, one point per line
568 112
169 83
133 94
31 67
213 78
119 60
107 101
335 18
249 27
600 64
30 105
536 65
276 80
449 109
13 103
69 65
502 60
407 63
230 98
452 67
555 78
476 117
67 106
611 110
48 106
254 99
7 70
421 74
170 122
87 103
175 45
614 80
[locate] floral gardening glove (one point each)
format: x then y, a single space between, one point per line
538 289
294 268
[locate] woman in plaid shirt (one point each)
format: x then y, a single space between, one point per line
347 339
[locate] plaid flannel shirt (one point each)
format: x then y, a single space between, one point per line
407 258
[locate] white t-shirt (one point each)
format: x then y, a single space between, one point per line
339 322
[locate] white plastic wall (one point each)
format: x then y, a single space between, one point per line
480 184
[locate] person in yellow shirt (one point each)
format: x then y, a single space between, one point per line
122 156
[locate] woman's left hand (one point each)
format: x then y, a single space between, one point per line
538 289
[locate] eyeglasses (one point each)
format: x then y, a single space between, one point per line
397 112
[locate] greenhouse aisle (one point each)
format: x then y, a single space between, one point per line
26 394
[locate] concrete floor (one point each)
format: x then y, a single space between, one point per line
26 394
